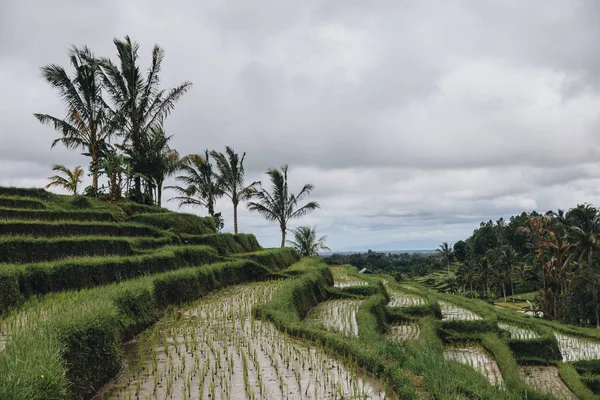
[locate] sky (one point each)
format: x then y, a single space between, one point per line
415 120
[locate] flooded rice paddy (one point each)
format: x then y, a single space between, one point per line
336 315
403 332
477 358
516 332
216 350
573 348
401 299
546 379
452 312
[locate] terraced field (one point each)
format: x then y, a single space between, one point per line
134 302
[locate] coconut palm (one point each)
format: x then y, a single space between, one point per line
200 186
230 178
86 124
445 251
138 100
583 231
70 181
280 205
306 242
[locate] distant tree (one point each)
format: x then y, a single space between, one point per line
138 100
445 251
230 177
70 181
280 205
306 242
87 122
460 250
199 184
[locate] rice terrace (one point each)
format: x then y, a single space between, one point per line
321 200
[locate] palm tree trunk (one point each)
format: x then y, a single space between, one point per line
283 236
235 224
95 169
159 193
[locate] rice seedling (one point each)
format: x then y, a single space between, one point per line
401 299
341 278
574 348
517 332
337 315
479 360
452 312
404 332
215 349
546 379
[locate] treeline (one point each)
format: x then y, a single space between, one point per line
400 265
555 253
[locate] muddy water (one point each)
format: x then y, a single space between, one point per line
516 332
479 360
573 348
403 332
546 379
453 312
336 315
215 350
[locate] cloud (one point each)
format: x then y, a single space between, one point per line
415 120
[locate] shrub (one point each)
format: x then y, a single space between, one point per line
535 351
178 223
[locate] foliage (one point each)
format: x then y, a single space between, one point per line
280 205
306 242
70 181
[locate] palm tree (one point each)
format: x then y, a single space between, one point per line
306 242
139 101
70 181
584 230
280 205
113 165
230 179
86 124
157 160
445 251
200 184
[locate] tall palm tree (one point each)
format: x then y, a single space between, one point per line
200 186
139 101
583 230
445 251
86 124
157 160
71 179
230 177
280 205
306 242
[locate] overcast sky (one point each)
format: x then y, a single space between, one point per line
415 120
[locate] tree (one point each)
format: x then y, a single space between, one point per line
460 250
306 242
70 181
139 101
157 160
445 251
584 230
230 179
114 165
87 123
200 186
280 205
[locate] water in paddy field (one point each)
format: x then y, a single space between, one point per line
546 379
452 312
216 350
573 348
401 299
478 359
403 332
516 332
336 315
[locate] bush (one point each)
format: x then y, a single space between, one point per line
56 215
535 351
178 223
76 228
19 202
224 243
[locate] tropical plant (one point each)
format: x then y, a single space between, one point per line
230 178
113 166
445 251
139 101
280 205
87 122
71 179
306 242
200 186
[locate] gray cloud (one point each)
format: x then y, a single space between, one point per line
414 119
